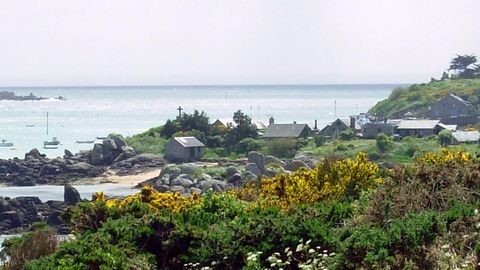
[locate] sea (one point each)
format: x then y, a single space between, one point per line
91 112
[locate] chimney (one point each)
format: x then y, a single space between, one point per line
271 121
315 127
352 122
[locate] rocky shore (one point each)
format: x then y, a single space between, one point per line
17 214
110 155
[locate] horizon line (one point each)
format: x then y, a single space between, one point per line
198 85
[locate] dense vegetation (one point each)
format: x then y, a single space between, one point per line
417 98
384 149
463 82
239 136
344 214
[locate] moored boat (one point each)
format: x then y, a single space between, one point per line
85 141
53 142
4 143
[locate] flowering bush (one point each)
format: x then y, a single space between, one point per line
446 155
330 180
156 200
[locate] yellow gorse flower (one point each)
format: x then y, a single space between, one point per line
329 180
446 155
156 200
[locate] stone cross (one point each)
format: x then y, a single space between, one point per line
179 111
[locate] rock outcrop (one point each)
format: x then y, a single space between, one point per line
71 195
112 154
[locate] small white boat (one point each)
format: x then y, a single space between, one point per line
86 141
4 143
53 142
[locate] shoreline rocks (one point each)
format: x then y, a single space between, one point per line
19 213
111 154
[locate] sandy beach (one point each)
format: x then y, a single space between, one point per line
112 177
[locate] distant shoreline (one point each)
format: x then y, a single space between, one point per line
202 85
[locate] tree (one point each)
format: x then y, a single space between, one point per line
170 128
197 121
464 66
241 128
445 137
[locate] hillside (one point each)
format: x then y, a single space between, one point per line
418 97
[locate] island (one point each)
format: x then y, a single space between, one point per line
7 95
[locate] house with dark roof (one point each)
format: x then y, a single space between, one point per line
372 129
287 131
339 125
421 127
183 149
450 106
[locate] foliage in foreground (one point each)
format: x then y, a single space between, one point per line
421 216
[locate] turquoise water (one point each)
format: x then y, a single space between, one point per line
97 111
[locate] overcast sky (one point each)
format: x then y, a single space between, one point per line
119 42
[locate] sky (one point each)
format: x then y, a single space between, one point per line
208 42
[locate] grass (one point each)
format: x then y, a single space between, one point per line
416 98
401 152
143 143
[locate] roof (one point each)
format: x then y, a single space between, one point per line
218 123
189 141
284 130
448 127
461 100
394 122
418 124
346 121
466 136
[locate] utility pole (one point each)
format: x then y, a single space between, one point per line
335 109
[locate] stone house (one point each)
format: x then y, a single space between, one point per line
286 131
450 106
339 125
372 129
184 149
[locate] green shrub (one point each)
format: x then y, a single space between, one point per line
411 149
301 142
283 148
383 142
445 137
347 134
341 147
319 140
249 144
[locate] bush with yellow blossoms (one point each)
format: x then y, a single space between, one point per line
338 179
445 156
156 200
